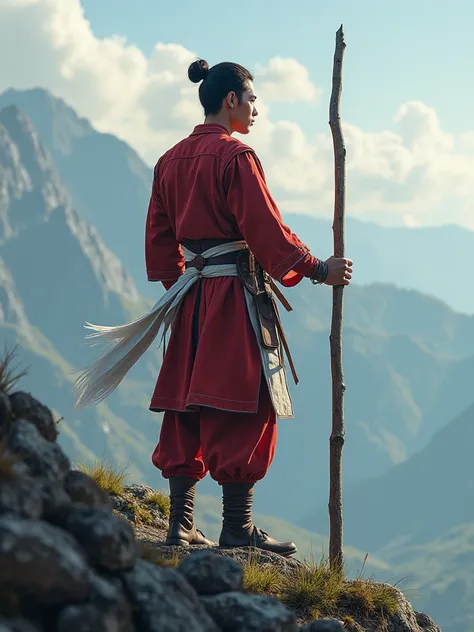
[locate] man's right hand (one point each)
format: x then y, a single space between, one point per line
339 271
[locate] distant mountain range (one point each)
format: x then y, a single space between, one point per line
54 269
111 185
406 355
68 255
419 517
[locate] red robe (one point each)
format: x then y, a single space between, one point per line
211 185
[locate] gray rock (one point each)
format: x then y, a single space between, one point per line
27 407
425 622
324 626
110 595
5 412
20 496
43 458
41 561
164 601
139 492
88 618
107 610
82 489
211 574
55 500
242 612
108 539
17 624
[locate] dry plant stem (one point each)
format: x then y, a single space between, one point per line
336 556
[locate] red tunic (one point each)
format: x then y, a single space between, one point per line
211 185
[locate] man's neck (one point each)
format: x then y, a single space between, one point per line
217 119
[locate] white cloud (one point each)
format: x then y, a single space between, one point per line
402 175
286 80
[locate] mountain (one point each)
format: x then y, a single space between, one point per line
429 260
419 519
434 492
394 402
408 362
54 268
109 183
110 186
439 574
400 348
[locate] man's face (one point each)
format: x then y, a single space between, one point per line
243 114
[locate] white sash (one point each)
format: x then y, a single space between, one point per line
130 341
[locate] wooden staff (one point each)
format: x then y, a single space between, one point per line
336 442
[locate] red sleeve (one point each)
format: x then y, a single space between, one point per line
163 255
279 251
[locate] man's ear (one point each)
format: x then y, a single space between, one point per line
232 99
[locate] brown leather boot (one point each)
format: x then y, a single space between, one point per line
181 531
237 527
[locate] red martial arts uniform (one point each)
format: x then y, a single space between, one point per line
218 415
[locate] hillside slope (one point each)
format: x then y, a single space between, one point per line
110 186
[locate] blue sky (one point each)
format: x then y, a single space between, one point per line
409 59
396 51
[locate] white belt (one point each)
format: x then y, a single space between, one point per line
130 341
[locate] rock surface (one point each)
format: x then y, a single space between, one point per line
165 601
210 574
241 612
84 490
41 561
25 406
75 559
108 540
44 459
17 624
21 496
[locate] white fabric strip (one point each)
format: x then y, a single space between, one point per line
130 341
272 365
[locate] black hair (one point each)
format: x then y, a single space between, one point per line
217 82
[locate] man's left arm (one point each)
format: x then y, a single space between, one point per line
163 255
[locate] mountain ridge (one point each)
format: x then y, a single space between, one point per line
111 186
407 359
380 353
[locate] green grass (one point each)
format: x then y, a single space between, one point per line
160 500
262 580
9 375
152 554
315 590
141 514
106 475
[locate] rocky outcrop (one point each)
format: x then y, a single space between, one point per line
73 558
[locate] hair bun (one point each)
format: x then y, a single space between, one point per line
198 70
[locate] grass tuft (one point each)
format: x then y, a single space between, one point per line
106 475
314 590
9 375
160 500
365 598
314 586
141 514
266 580
152 554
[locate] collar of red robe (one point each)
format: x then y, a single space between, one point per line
209 128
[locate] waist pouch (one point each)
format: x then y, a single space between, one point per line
262 287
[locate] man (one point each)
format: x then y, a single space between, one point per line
215 239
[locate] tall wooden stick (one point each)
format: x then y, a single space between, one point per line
336 556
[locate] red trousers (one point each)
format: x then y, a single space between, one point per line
230 446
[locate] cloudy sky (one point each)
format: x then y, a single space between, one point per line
407 103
